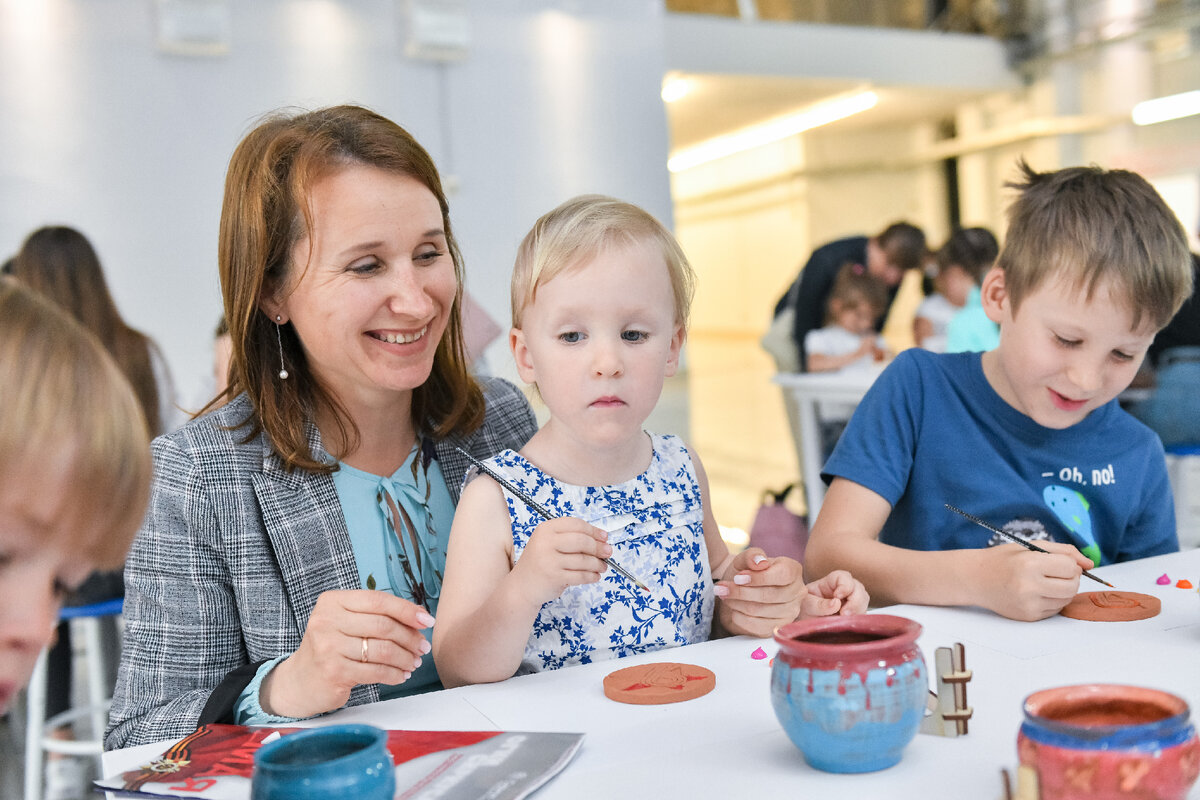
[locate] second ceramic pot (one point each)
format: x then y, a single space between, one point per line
1109 742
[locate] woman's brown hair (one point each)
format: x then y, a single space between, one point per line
60 263
266 211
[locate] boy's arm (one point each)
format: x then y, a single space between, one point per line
487 608
1008 579
1152 530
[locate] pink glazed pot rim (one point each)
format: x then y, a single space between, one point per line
898 632
1049 712
1040 702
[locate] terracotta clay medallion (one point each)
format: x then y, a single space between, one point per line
1112 606
664 682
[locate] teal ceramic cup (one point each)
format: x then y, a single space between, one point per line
340 761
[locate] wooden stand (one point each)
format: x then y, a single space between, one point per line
948 706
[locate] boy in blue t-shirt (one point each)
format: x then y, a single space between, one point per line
1027 436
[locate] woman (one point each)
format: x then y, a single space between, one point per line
74 471
60 263
252 588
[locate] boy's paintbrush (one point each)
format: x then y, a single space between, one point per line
1017 539
543 513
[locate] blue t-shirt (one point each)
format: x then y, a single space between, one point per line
932 431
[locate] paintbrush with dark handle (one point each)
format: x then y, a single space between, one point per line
1013 537
543 513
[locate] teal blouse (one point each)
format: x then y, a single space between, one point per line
399 529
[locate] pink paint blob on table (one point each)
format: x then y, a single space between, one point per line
759 654
1163 580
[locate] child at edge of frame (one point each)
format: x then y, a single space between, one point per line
1028 436
600 293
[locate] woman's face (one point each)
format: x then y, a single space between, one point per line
370 287
39 565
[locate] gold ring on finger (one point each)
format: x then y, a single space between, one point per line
364 651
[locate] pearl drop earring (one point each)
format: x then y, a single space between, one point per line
283 373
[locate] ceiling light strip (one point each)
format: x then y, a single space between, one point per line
772 130
1161 109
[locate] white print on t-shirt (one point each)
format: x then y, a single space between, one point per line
1100 477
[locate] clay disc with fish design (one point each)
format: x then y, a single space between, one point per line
1112 606
663 682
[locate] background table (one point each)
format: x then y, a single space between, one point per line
802 391
729 744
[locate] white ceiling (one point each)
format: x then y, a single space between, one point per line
719 104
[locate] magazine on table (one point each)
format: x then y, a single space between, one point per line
216 762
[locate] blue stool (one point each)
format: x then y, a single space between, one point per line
38 741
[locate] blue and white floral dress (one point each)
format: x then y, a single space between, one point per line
656 529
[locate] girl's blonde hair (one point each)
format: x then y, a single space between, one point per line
580 229
66 410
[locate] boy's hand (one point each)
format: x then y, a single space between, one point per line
837 593
761 594
560 553
1026 585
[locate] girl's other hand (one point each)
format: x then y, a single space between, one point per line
762 594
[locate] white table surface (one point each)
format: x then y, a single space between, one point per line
729 744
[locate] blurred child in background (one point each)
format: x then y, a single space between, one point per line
961 264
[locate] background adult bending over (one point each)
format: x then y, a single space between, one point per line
253 588
887 256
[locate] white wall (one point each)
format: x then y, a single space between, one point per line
100 131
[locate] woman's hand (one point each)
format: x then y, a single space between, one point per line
837 593
560 553
353 637
763 594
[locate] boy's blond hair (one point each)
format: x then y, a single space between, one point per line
67 411
1096 226
579 230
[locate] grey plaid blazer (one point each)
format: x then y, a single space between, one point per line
232 556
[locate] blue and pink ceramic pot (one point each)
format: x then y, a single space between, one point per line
850 691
